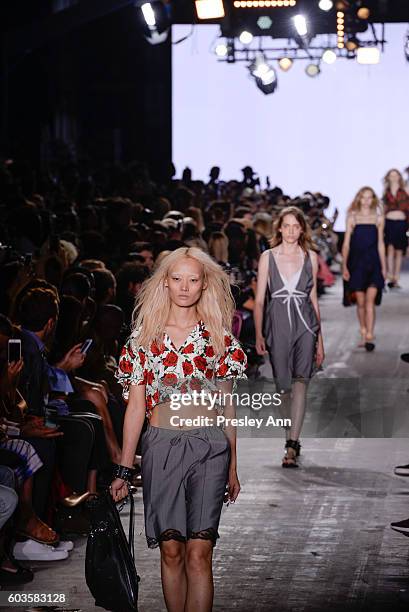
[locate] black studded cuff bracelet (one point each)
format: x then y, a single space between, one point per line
123 472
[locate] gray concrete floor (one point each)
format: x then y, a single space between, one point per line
317 538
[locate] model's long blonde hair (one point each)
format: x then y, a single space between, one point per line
215 306
387 180
355 206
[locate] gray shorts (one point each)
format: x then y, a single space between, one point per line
184 474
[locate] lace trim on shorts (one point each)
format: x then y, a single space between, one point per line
174 534
165 536
204 534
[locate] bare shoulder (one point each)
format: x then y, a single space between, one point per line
351 219
264 258
313 256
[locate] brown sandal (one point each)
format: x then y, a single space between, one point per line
37 530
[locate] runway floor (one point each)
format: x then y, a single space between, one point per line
318 538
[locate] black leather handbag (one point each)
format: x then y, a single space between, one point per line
110 559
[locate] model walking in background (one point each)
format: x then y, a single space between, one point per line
287 318
364 266
396 210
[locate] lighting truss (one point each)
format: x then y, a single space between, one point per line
265 45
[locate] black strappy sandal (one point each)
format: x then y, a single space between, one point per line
291 462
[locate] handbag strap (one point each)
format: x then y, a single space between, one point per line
131 534
131 539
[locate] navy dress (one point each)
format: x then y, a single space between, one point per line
364 263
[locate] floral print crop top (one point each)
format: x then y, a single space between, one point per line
165 369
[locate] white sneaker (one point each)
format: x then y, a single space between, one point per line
65 545
34 551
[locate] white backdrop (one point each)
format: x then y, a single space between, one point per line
333 133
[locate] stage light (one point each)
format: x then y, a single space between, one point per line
263 3
266 88
264 75
221 50
340 29
352 43
300 24
209 9
325 5
264 22
363 13
312 70
285 63
329 56
148 14
155 20
259 65
245 37
269 77
368 55
267 84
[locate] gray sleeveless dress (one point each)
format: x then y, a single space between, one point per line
290 324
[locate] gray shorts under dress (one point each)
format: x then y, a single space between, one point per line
184 474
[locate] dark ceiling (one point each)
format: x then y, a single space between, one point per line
386 11
320 22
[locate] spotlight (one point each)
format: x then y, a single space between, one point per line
312 70
155 20
340 29
264 75
352 43
264 22
325 5
329 56
368 55
148 14
221 50
269 77
363 13
209 9
245 37
267 84
259 67
285 63
300 24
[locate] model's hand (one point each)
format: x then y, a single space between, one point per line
384 273
320 355
260 346
118 489
233 486
345 274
